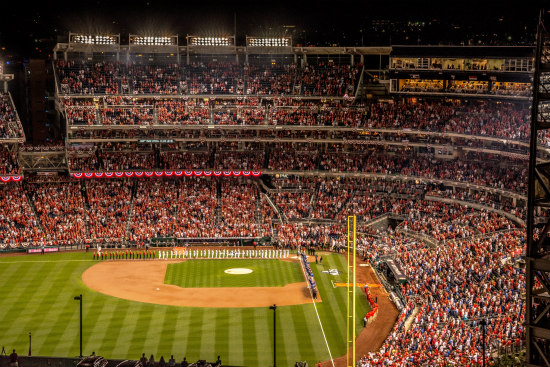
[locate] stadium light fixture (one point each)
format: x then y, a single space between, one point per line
89 39
274 308
268 42
79 298
136 40
211 41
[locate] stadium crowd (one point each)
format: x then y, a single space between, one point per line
81 77
450 290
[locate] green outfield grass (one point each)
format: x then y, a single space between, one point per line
37 296
210 273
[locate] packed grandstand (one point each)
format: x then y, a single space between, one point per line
284 152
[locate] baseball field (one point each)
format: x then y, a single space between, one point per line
38 291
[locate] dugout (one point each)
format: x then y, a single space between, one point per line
393 272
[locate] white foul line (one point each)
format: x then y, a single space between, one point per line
315 306
323 331
45 261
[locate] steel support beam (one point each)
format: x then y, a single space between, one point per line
538 219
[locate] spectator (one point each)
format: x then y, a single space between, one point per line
14 359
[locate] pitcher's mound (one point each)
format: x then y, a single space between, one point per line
238 271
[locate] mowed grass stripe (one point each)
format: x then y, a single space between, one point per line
223 325
162 332
193 337
94 307
263 338
332 311
251 349
128 324
167 335
140 339
182 316
33 288
208 334
56 304
39 300
66 326
17 296
302 332
113 327
318 345
288 333
34 293
235 336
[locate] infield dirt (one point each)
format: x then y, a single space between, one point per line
143 281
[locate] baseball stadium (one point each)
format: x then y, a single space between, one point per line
227 199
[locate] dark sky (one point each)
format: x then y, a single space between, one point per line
24 26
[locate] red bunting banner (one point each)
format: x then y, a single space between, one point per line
153 174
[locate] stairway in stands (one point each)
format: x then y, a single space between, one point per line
130 211
267 150
371 86
258 212
274 232
219 204
313 200
30 200
87 208
345 203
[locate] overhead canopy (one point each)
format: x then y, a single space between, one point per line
396 270
463 51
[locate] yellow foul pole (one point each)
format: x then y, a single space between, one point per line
351 289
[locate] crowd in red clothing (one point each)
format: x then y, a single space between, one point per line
197 205
506 120
18 224
474 168
287 157
452 288
109 207
80 77
293 204
112 210
152 79
276 79
61 210
214 78
329 79
208 78
485 118
153 213
248 160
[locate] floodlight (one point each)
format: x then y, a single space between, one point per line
93 39
153 41
211 41
268 42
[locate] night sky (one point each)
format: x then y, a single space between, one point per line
28 31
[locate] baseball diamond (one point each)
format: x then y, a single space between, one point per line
123 328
